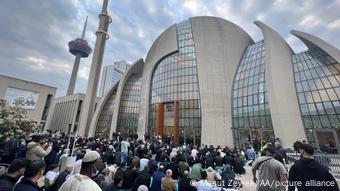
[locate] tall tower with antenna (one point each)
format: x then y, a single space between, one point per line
80 48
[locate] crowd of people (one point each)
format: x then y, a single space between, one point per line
152 163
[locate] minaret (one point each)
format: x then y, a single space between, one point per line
80 48
97 59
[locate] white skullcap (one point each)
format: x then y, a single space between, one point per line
91 156
142 188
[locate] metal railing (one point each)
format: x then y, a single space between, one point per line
331 161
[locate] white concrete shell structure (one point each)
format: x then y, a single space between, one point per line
218 53
283 102
207 74
164 45
219 47
311 40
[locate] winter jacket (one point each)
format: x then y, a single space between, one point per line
183 166
26 185
157 180
168 184
9 150
184 184
7 182
309 172
129 177
36 152
195 172
174 168
142 179
59 181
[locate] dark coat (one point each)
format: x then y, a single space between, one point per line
128 178
142 179
185 185
218 160
157 180
174 168
305 170
7 182
27 185
9 151
152 166
209 161
59 181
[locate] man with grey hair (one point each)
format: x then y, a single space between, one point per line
168 184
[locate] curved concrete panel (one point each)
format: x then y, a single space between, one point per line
310 40
219 48
137 67
164 45
283 103
99 109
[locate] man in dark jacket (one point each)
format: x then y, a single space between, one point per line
184 183
209 161
297 145
15 171
129 177
307 174
218 160
152 164
61 178
157 179
281 153
143 178
9 150
51 158
32 174
174 168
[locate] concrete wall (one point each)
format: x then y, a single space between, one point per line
219 47
164 45
283 103
64 112
43 90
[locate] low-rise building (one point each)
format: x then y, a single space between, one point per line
35 98
65 113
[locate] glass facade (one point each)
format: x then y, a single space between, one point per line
105 117
317 79
175 79
251 113
129 106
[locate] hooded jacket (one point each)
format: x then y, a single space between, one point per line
36 152
310 172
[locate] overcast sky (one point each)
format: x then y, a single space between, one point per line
34 33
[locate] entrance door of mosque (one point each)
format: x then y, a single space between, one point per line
167 120
261 134
327 140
